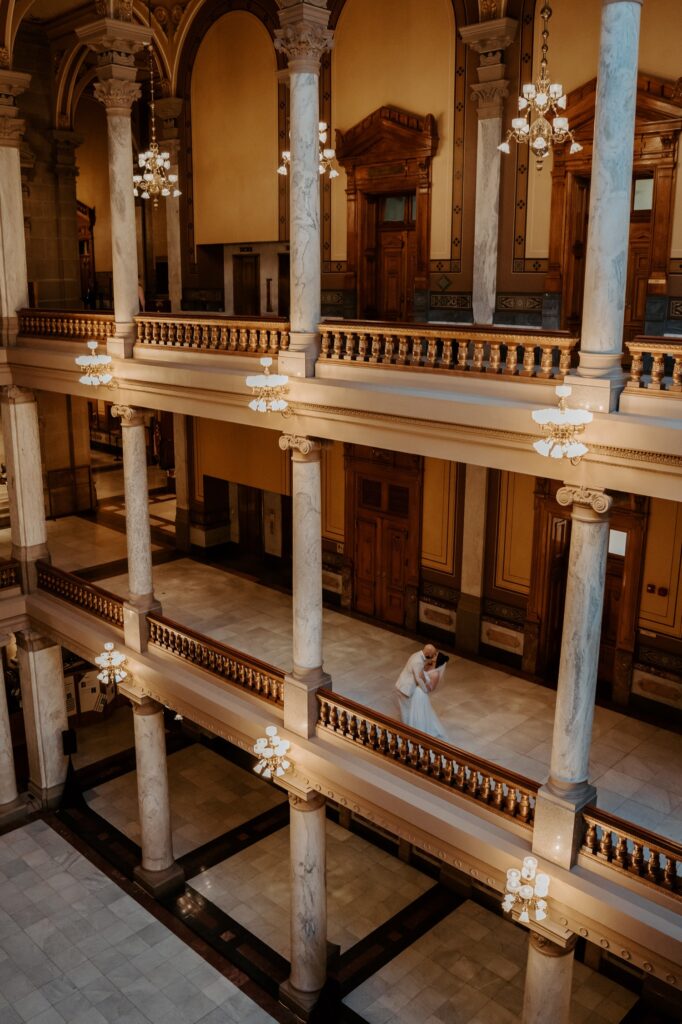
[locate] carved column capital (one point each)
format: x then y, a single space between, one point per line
587 498
304 36
129 417
12 127
549 948
306 446
118 97
115 41
489 39
311 802
490 97
15 395
168 111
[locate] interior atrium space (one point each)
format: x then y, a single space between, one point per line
340 512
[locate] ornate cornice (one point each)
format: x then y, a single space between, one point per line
294 442
117 96
304 37
587 497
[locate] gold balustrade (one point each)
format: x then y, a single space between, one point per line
243 336
502 791
61 323
470 349
657 349
70 588
9 574
257 677
632 849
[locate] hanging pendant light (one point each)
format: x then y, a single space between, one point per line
154 180
541 101
325 159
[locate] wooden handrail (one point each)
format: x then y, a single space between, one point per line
629 852
657 348
503 791
258 677
63 323
255 336
94 600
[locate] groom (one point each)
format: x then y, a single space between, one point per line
414 675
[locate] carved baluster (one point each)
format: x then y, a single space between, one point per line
403 345
546 360
657 368
363 732
416 356
373 736
284 341
338 345
494 359
389 348
479 352
498 795
446 357
461 776
253 340
334 718
524 807
403 749
605 844
383 740
243 339
620 856
512 358
472 783
263 340
424 760
324 347
414 753
353 727
448 770
528 360
362 347
653 868
431 351
677 373
350 345
510 801
274 336
462 355
376 348
564 361
670 879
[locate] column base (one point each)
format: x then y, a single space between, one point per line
300 700
300 358
597 393
468 625
160 883
16 810
48 798
121 344
135 611
558 825
300 1003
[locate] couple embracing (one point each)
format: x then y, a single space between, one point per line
422 673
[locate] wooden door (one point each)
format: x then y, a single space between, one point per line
365 558
394 565
613 591
639 267
574 280
392 269
246 284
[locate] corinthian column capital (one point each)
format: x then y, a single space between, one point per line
304 36
118 97
586 497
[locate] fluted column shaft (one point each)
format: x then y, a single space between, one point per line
21 437
608 238
549 975
308 894
13 271
152 786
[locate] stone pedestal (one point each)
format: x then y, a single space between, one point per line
600 378
469 606
182 514
116 41
168 109
308 904
549 974
300 706
12 807
44 704
304 37
138 535
13 272
557 819
21 437
158 873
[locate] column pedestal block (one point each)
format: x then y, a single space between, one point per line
468 629
17 810
135 632
160 883
300 702
558 827
120 346
300 1003
299 360
600 394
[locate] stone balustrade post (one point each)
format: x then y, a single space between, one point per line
21 436
599 379
549 975
140 599
43 700
169 109
12 807
557 831
489 39
13 270
470 604
308 837
303 38
159 873
300 704
116 41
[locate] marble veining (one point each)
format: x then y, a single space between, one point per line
304 186
487 218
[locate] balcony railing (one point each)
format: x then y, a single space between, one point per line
257 677
655 351
245 336
458 349
632 849
9 574
91 599
57 323
502 791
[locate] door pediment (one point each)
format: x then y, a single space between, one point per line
388 134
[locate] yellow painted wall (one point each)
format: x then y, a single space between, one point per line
92 183
514 532
234 133
388 52
438 515
241 454
54 430
574 30
333 492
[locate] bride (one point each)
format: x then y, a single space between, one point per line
418 679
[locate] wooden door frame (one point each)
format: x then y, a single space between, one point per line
657 129
388 152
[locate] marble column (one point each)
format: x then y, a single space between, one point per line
13 271
600 377
116 42
21 436
307 826
489 39
300 704
470 603
182 511
65 144
138 534
44 704
549 974
303 38
557 820
168 109
12 807
158 873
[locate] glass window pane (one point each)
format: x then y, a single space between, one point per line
394 208
617 542
644 194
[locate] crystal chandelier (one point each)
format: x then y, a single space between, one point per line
153 180
326 156
272 751
539 102
96 366
525 891
111 663
562 426
268 389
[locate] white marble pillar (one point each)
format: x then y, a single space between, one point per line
557 825
44 705
599 376
116 43
158 871
182 512
549 975
307 826
138 534
300 705
471 597
13 272
168 109
8 780
304 37
489 39
21 437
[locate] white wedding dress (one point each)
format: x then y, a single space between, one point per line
420 715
